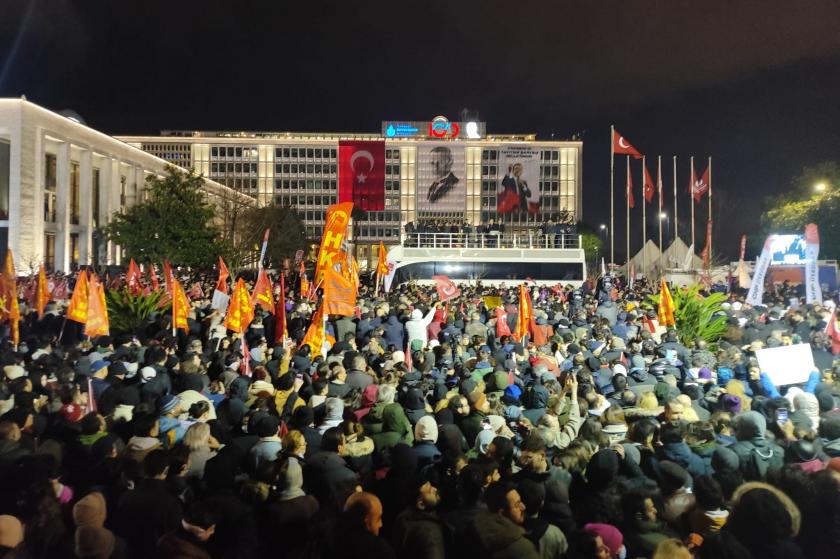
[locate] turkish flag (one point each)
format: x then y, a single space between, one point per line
361 174
623 147
629 193
446 288
650 189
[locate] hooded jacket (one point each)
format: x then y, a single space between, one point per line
395 428
750 430
324 474
681 454
394 333
416 326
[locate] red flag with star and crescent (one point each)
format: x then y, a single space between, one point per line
622 147
446 288
361 174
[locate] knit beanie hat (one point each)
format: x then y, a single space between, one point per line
90 511
610 535
426 429
93 542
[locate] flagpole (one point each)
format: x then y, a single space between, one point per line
612 194
658 216
691 195
676 215
711 223
644 216
627 195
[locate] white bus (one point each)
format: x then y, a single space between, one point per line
502 259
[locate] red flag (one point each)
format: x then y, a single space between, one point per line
361 174
629 193
167 276
623 147
280 332
180 307
705 254
502 328
245 365
833 332
699 188
224 274
659 187
263 295
409 361
649 189
132 278
153 277
507 202
446 288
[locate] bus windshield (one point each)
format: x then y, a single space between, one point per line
560 272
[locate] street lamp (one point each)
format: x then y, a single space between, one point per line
820 187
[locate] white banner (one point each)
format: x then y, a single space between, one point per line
813 293
784 365
756 293
519 186
441 180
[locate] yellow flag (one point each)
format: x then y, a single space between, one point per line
666 308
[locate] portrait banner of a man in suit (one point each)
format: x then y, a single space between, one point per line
441 179
519 180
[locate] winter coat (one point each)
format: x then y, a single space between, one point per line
548 539
681 454
642 536
396 428
394 333
344 325
325 473
418 534
497 537
763 449
415 328
608 310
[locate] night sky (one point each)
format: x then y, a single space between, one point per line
753 83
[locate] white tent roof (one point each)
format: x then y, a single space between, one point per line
647 259
676 255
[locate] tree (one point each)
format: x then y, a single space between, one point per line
287 235
591 242
696 316
803 204
174 222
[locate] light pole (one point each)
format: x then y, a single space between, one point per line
606 231
820 187
663 215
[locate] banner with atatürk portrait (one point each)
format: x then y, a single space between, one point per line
441 179
519 182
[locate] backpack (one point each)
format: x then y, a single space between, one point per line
757 464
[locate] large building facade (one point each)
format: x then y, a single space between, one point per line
60 183
301 170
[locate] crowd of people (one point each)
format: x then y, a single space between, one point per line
425 431
456 233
